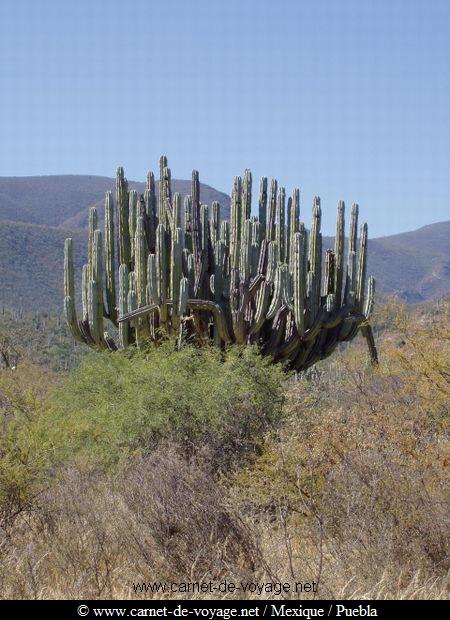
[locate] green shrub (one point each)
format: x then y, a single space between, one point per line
23 458
117 405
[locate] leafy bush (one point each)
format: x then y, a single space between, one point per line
22 459
117 405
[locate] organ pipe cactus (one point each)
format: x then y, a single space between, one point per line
184 270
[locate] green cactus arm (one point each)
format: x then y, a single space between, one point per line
162 191
183 297
351 280
85 279
92 311
110 276
97 280
255 246
71 319
280 225
205 229
314 253
187 203
191 274
162 261
236 223
176 211
278 291
69 272
294 222
167 185
141 257
287 253
270 230
362 268
152 288
369 299
217 282
176 273
246 198
122 202
241 295
138 313
329 279
367 332
196 226
299 281
124 331
132 219
262 304
151 211
350 284
245 254
95 318
93 219
315 262
262 206
225 233
219 270
132 295
69 292
215 222
339 252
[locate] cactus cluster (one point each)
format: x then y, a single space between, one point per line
170 266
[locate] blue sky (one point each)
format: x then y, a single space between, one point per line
345 99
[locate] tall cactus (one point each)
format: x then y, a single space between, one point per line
183 269
110 280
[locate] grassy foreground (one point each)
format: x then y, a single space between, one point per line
185 466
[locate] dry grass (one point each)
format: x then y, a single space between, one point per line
354 490
161 519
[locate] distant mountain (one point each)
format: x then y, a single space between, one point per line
38 213
31 260
416 264
63 200
49 200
